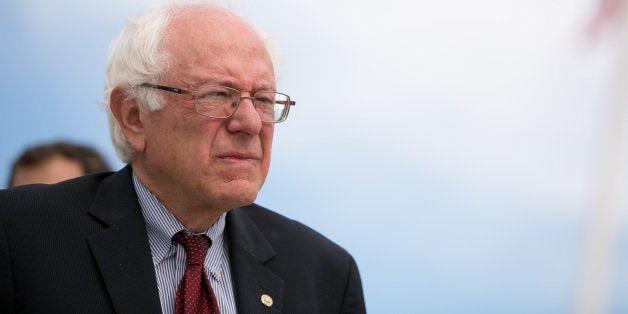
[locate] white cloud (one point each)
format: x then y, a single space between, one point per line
491 91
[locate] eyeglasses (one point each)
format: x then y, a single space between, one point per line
221 102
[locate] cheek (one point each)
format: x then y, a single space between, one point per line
174 139
198 144
266 137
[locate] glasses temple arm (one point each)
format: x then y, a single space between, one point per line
286 102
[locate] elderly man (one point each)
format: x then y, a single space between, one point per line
191 93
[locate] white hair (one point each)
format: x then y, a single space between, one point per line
135 57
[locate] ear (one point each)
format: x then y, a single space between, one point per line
129 117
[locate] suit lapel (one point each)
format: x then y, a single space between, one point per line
254 284
121 250
123 255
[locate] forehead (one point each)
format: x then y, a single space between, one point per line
207 43
56 169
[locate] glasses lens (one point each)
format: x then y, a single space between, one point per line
221 102
272 106
216 101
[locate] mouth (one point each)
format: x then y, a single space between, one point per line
238 157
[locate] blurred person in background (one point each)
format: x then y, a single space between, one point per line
191 98
55 162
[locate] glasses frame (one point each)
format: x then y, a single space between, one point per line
181 91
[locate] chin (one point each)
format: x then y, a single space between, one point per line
240 195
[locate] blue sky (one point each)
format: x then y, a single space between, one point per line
454 148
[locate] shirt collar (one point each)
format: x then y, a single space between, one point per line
161 224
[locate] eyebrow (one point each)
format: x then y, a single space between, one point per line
263 88
231 84
225 80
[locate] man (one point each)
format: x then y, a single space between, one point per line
55 162
191 93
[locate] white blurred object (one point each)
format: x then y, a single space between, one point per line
595 284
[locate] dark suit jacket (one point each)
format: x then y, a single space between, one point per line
80 246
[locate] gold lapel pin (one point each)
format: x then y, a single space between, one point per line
267 300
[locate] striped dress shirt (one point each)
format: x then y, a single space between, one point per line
169 257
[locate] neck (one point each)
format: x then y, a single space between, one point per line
196 223
194 216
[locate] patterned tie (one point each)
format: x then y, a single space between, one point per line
194 293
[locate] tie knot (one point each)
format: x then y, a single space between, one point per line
195 246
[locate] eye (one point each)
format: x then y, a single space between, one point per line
215 96
265 99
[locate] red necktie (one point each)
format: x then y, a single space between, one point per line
194 293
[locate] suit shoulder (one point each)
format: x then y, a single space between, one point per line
30 199
319 275
290 234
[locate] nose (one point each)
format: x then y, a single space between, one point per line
245 118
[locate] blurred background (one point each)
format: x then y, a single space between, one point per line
471 155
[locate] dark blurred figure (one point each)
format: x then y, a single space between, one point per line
55 162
